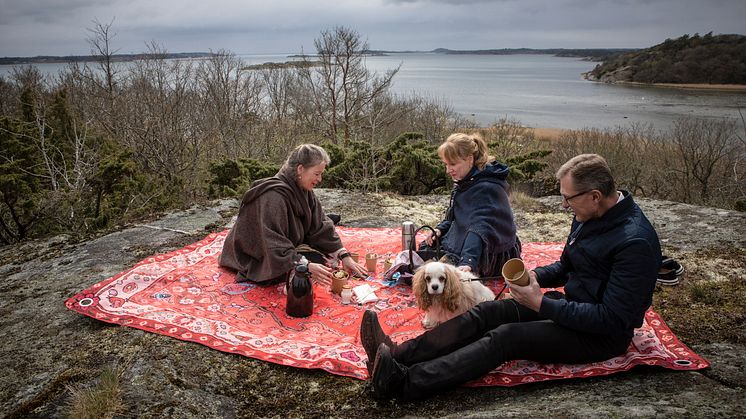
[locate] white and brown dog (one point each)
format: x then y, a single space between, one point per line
444 292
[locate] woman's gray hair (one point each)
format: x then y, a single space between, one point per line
306 155
589 172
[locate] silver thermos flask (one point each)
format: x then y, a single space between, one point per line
407 235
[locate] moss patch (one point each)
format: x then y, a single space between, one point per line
706 308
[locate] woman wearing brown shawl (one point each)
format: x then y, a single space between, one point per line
277 215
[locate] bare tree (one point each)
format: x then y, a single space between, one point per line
278 89
383 112
230 99
101 81
703 146
100 41
341 86
290 115
160 118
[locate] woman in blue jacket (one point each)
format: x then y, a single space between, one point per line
478 233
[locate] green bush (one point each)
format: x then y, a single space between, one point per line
358 165
20 197
415 168
116 179
526 166
740 204
408 165
233 178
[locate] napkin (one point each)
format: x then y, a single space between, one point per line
365 294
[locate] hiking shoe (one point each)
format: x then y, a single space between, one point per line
670 271
371 335
669 283
388 375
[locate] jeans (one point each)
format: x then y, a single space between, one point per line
474 343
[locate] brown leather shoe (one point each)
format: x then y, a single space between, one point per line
371 335
388 375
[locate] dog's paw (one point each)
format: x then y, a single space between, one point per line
428 324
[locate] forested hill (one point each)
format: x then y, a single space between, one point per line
708 59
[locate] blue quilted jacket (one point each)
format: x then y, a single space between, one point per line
609 268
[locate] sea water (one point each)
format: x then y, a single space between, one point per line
547 91
536 90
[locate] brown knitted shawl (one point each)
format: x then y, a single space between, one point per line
276 215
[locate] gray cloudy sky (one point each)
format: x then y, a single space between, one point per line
58 27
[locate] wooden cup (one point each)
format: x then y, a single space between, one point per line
387 264
371 260
339 281
515 272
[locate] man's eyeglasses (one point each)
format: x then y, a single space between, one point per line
568 198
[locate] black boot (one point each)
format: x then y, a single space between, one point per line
388 375
336 218
371 335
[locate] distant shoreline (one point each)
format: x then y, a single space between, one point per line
54 59
693 86
591 53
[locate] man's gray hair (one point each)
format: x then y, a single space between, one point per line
589 172
306 155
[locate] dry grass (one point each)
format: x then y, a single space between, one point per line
522 201
697 161
550 134
102 400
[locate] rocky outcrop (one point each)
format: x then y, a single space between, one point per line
46 349
618 75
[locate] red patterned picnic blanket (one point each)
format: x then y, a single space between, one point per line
185 295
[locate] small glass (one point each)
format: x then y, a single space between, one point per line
346 294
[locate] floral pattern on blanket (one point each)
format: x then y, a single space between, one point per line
185 295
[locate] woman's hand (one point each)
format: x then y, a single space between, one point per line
353 267
320 273
529 296
465 268
431 239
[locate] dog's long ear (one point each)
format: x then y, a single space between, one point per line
419 287
452 289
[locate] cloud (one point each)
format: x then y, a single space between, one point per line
453 2
57 27
45 11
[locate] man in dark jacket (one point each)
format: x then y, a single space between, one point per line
608 267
